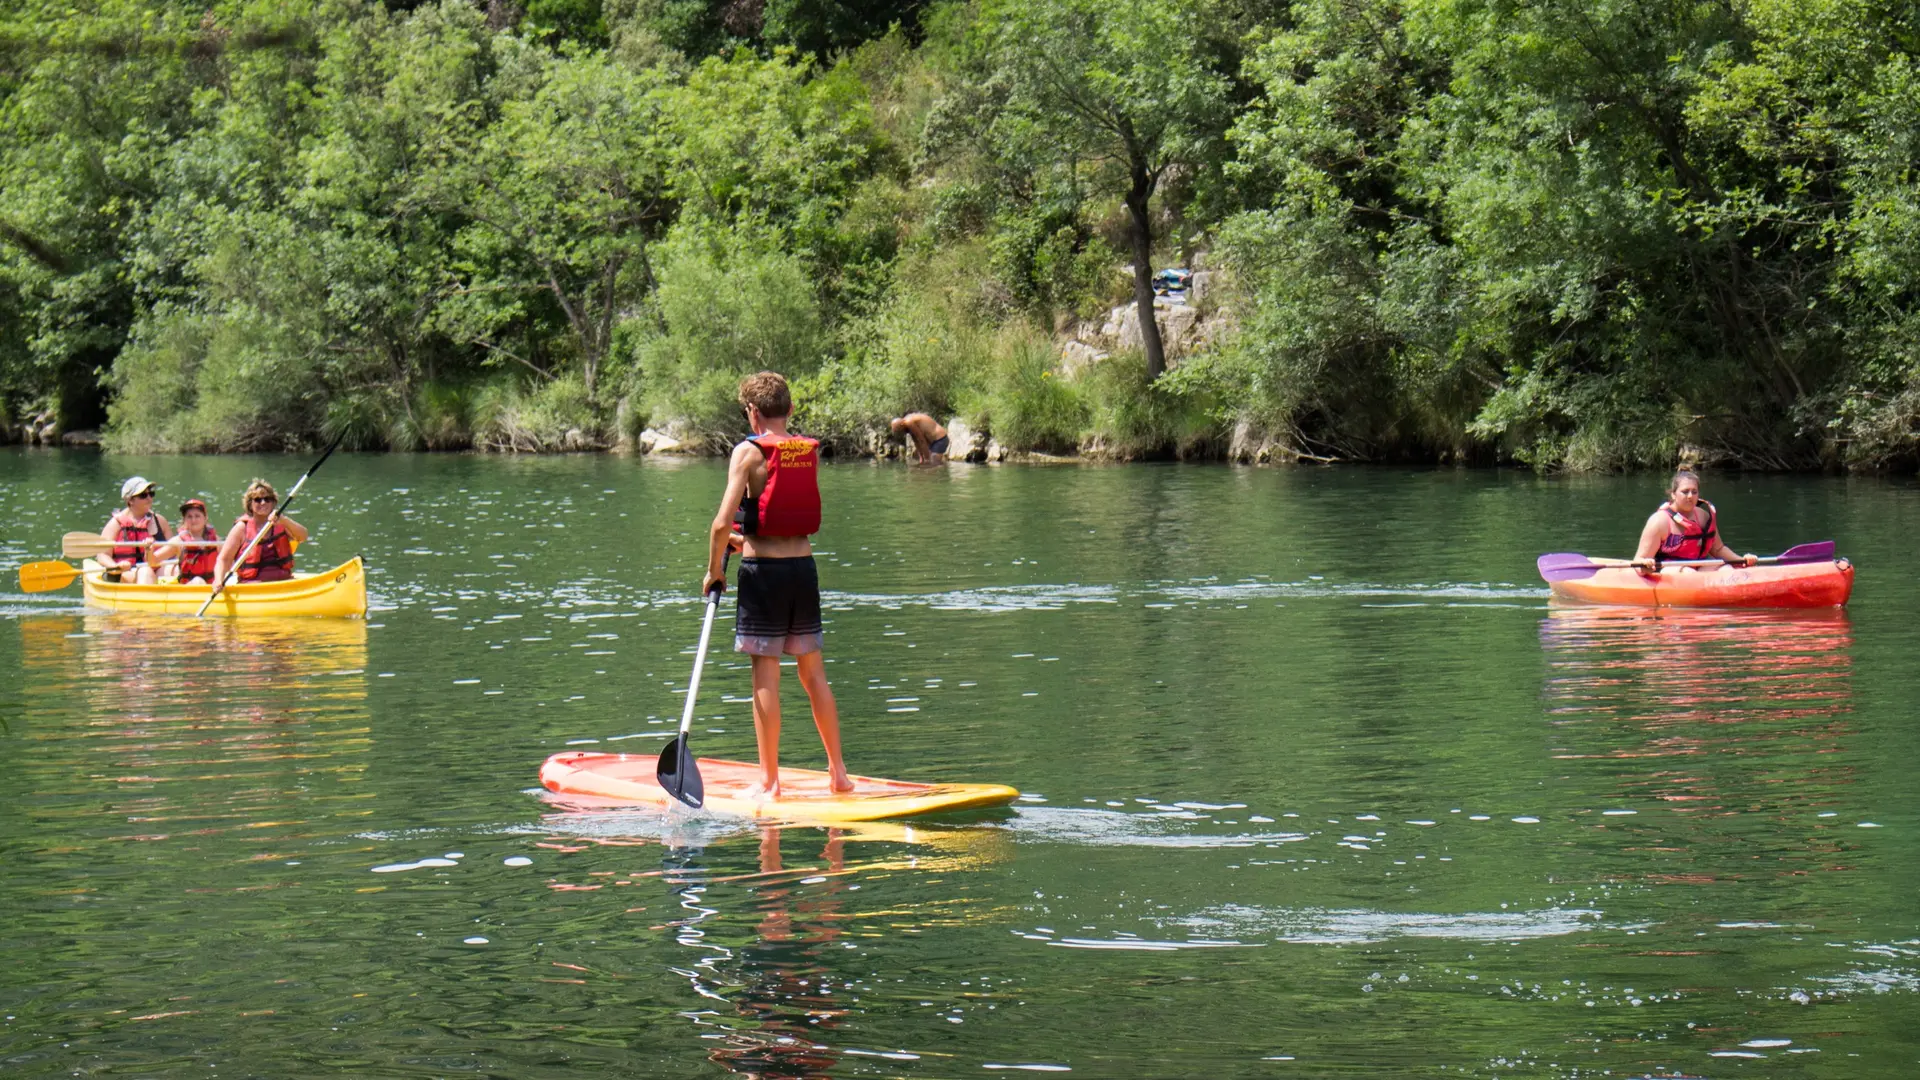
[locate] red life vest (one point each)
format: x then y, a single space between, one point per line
271 559
134 528
198 562
789 504
1694 540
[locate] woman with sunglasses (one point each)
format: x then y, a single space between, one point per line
129 525
272 558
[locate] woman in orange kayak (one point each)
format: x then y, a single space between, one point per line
272 558
1685 527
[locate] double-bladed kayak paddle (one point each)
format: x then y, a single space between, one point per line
1566 566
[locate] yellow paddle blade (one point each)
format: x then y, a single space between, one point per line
47 576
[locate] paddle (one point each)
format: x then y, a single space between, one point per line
84 545
1566 566
679 775
272 518
47 576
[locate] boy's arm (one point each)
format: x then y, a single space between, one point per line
719 537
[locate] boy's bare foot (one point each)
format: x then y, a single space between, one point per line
839 782
763 792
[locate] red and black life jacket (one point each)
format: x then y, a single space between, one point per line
134 528
198 562
789 504
1694 540
275 553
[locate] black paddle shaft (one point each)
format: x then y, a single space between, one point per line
272 518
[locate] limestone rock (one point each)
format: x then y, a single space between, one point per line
659 442
1198 286
964 443
1077 356
80 438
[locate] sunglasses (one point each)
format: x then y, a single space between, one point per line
142 495
268 499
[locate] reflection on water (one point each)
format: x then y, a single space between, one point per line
1712 714
174 710
777 949
1676 683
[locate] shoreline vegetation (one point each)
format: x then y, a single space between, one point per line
1559 235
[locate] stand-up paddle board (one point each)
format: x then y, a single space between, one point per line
804 796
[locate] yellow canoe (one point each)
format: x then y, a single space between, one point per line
339 592
628 779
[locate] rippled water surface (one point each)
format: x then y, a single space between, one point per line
1317 782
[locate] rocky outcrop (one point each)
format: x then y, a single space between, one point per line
1186 328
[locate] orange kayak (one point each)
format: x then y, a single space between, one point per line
629 779
1789 585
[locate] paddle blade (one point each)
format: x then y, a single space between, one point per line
47 576
679 774
1565 566
84 545
1816 552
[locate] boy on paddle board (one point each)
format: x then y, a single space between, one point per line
129 525
929 437
773 498
1686 526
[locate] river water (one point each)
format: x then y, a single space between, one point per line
1317 783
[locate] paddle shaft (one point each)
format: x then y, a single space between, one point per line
83 545
272 519
699 664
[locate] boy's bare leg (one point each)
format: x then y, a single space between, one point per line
826 716
766 725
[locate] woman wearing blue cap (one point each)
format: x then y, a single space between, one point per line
129 525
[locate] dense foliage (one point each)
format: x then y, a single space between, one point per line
1571 233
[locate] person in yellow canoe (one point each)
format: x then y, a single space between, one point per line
773 496
195 550
929 437
272 558
1686 526
130 524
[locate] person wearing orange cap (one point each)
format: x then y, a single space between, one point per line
194 550
132 528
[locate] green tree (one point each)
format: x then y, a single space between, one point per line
564 194
1122 84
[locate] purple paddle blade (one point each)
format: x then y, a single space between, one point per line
1565 566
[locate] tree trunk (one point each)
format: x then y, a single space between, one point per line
1142 235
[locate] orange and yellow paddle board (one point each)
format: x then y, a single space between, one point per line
629 779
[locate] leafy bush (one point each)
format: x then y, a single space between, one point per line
1023 402
553 415
729 303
